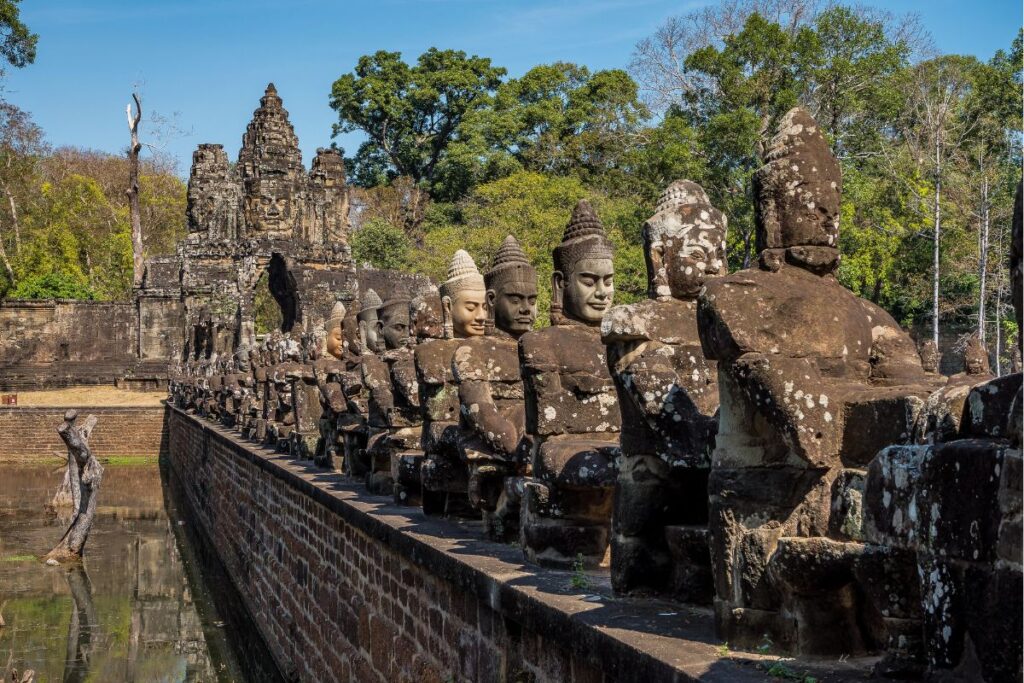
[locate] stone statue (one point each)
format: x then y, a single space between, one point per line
492 419
369 338
812 382
393 397
948 514
668 397
463 308
572 415
929 352
328 371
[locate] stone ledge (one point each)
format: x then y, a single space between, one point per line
640 640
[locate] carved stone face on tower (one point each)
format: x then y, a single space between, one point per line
335 342
512 289
583 281
463 298
393 323
684 242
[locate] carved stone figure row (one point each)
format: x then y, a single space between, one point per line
763 441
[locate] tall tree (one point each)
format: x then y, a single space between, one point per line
935 125
410 114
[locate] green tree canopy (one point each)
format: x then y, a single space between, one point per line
410 114
17 43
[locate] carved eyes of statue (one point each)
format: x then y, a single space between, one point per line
591 280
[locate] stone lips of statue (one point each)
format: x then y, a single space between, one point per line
468 310
588 290
515 306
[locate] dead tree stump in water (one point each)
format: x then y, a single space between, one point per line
89 472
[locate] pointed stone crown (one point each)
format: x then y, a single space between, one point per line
337 315
462 275
510 265
369 305
584 237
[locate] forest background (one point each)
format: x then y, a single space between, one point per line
457 154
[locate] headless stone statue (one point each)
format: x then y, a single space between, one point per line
492 420
668 396
572 416
464 313
812 382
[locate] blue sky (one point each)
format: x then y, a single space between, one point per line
207 62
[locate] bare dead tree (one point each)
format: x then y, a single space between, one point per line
90 474
82 628
133 187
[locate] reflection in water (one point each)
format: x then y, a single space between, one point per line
132 612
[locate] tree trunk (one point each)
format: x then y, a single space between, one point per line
69 495
90 473
935 249
133 189
983 260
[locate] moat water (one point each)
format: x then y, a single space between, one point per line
145 605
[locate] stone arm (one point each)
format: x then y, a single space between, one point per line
403 380
481 413
377 381
791 396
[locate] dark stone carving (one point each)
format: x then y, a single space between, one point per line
668 395
572 415
812 382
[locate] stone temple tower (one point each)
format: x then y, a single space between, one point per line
270 166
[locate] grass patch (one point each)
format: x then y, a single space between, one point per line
120 460
19 558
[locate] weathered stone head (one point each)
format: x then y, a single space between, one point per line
684 242
511 289
334 344
425 315
582 284
929 353
369 338
976 357
463 298
243 359
796 198
393 323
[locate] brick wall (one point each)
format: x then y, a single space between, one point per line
344 586
31 433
